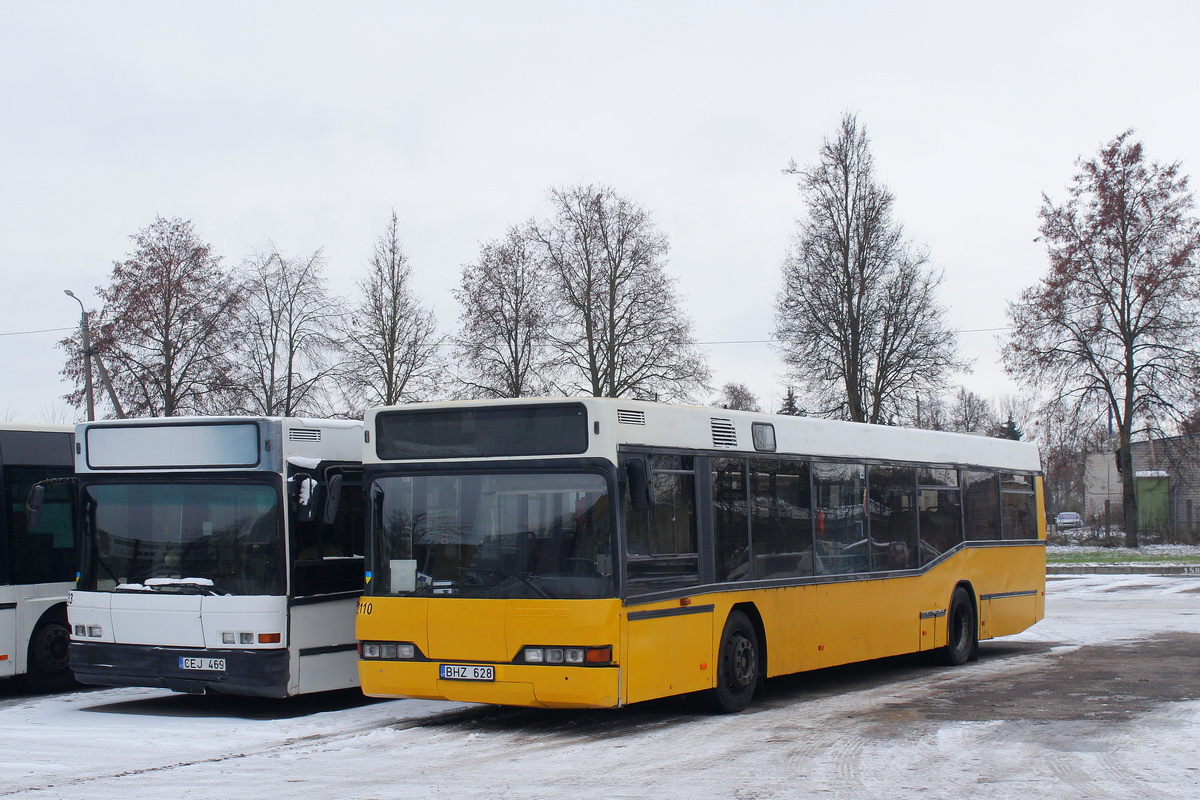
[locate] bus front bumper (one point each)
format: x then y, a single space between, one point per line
261 673
538 686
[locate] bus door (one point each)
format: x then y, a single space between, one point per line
670 643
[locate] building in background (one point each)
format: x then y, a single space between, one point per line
1167 481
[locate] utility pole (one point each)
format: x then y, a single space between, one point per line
86 341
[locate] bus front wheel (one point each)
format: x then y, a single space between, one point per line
48 668
960 629
737 664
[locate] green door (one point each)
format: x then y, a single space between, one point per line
1153 504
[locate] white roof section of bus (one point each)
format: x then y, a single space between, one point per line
206 444
717 429
36 428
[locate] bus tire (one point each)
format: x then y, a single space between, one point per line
961 629
48 668
738 660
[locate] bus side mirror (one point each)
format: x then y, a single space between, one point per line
33 505
309 500
333 497
641 484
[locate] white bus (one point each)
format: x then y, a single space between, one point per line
218 554
37 562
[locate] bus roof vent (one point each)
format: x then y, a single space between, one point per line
723 433
304 434
627 417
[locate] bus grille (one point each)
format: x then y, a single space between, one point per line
304 434
631 417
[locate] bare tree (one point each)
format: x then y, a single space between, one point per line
970 413
167 327
1019 410
289 325
737 397
501 346
1114 321
1065 439
392 340
931 413
858 318
619 327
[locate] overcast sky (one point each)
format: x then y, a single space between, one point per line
307 124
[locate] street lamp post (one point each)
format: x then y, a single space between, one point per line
86 341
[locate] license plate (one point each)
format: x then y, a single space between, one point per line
206 664
468 672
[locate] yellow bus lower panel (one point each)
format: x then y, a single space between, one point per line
515 684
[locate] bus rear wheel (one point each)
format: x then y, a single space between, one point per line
48 667
960 629
737 665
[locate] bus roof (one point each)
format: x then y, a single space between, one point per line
615 423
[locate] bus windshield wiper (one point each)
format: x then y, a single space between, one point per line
524 577
171 585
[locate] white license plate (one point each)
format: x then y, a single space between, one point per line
468 672
206 664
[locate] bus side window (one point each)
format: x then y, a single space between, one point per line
46 553
328 558
981 505
1018 505
781 519
661 544
893 525
730 520
840 500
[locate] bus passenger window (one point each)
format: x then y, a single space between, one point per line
981 505
1019 507
940 524
730 529
841 537
661 543
46 553
781 519
892 503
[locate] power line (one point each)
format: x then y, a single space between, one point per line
43 330
773 341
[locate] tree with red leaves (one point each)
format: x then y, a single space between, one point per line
1113 324
167 327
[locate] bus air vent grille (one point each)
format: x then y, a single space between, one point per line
723 433
304 434
631 417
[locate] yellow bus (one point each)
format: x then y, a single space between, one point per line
598 552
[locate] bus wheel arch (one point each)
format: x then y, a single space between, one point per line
741 659
47 667
962 627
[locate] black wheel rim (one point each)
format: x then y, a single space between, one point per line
743 662
51 649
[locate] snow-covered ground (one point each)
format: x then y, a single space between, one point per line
1098 700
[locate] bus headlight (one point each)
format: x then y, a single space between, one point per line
388 651
576 656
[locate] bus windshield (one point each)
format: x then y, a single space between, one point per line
184 538
498 536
